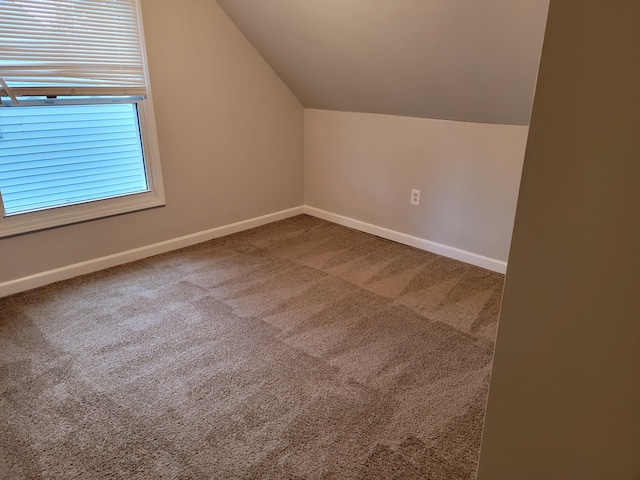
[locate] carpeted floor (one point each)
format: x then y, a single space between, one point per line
296 350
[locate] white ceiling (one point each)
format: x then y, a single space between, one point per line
467 60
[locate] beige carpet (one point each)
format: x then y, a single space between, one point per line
296 350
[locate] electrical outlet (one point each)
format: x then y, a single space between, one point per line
415 197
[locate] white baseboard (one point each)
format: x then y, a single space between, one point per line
70 271
438 248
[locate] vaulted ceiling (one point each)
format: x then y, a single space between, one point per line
467 60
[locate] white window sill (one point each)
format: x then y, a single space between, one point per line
55 217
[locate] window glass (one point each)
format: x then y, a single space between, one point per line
57 155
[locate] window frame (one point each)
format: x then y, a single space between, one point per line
91 210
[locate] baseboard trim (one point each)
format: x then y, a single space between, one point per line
417 242
89 266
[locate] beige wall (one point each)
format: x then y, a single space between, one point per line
364 166
564 401
234 145
230 135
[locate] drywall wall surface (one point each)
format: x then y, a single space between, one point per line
364 166
230 137
467 60
565 391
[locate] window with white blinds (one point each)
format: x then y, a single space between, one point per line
77 130
71 47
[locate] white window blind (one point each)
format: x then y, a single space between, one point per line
71 47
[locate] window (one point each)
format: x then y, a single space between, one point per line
77 132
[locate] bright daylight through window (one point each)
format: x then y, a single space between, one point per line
77 133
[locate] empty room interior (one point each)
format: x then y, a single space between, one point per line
365 239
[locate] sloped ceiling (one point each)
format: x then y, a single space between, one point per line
467 60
